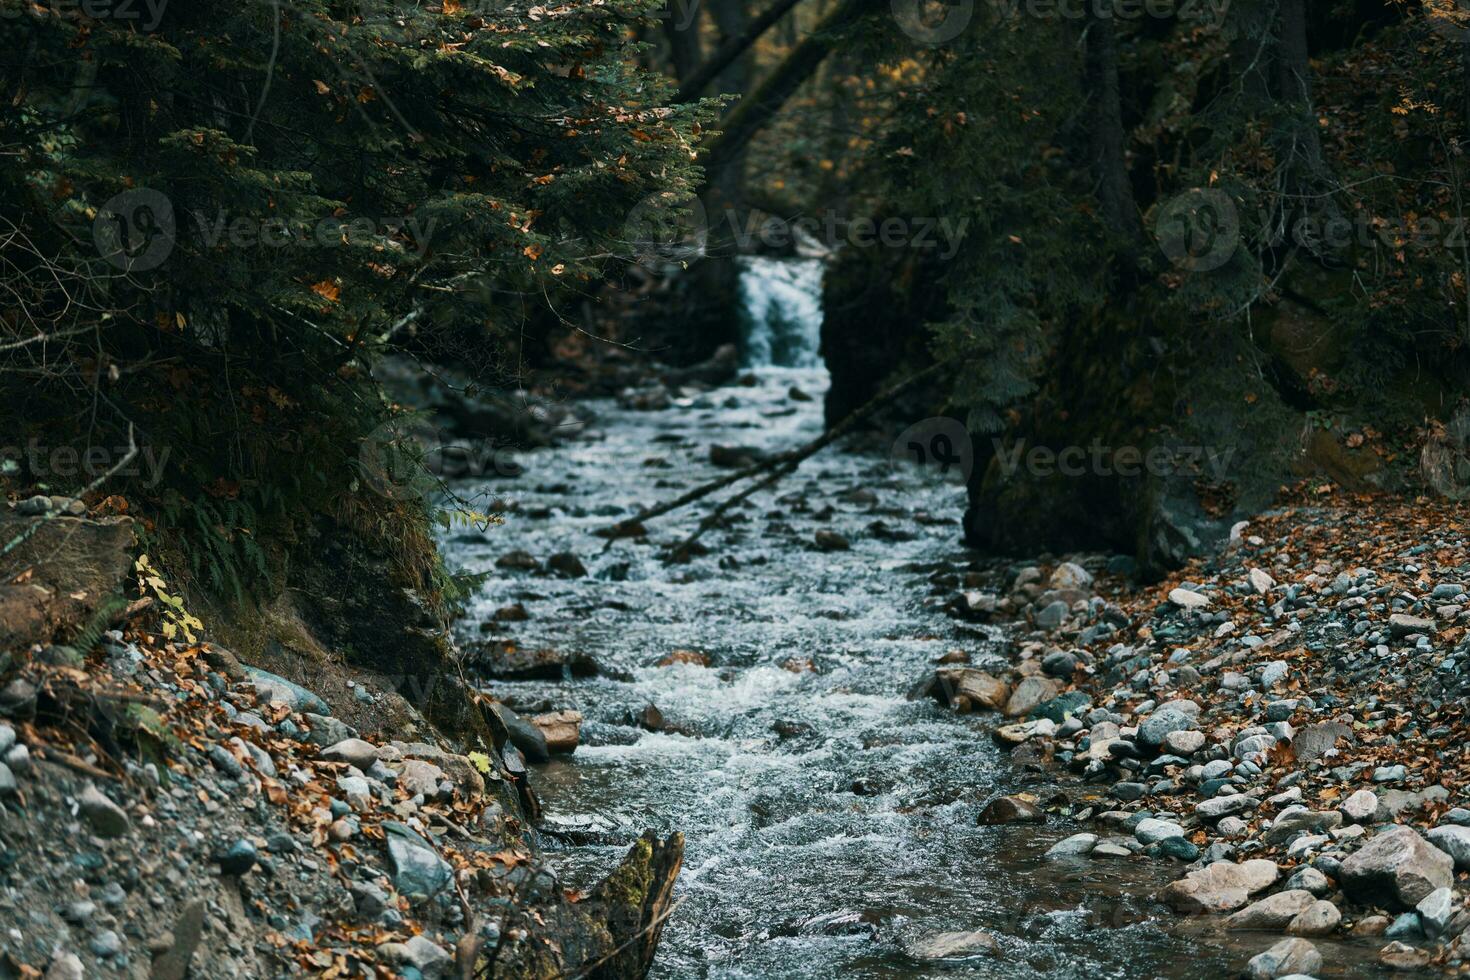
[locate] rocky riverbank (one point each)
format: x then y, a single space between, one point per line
1284 720
166 810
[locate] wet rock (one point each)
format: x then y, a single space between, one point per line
695 657
1058 709
1029 694
734 457
650 718
1219 887
567 565
523 664
1396 869
1321 918
523 735
1288 957
1152 831
1078 845
520 561
513 613
561 730
978 688
1371 925
417 867
1400 956
941 946
1010 809
826 540
106 818
1272 912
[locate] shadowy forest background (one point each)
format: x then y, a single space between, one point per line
230 229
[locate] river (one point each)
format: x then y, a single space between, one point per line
829 818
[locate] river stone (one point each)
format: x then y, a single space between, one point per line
523 735
1454 841
1313 741
1321 918
1360 806
982 689
1171 716
1396 869
1186 599
1311 879
1288 957
1075 846
1184 742
353 751
951 946
1010 809
1401 625
1219 887
1029 694
273 687
1436 910
1272 912
1063 706
1070 575
173 963
1223 806
1294 820
562 730
417 867
1052 615
1151 830
106 818
1401 956
420 778
1261 581
420 953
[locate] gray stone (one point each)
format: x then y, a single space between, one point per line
1151 830
1184 743
1284 959
238 858
353 751
1313 741
1077 845
937 947
1273 674
1454 840
1222 806
106 817
417 867
106 944
272 687
1360 806
1401 625
1172 716
7 738
1321 918
1272 912
1396 869
1186 599
173 963
523 735
1436 910
1299 819
1029 694
1310 879
1219 887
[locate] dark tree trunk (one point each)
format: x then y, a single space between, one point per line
682 30
1109 139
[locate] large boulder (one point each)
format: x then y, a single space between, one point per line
1272 912
1029 694
417 867
1396 869
1219 887
1288 958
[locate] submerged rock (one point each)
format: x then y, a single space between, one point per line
941 946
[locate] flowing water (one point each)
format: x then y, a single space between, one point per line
828 818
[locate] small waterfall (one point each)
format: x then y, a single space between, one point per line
780 312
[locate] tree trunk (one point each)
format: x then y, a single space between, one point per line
682 29
1108 137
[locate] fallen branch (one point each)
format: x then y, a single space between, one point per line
782 463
